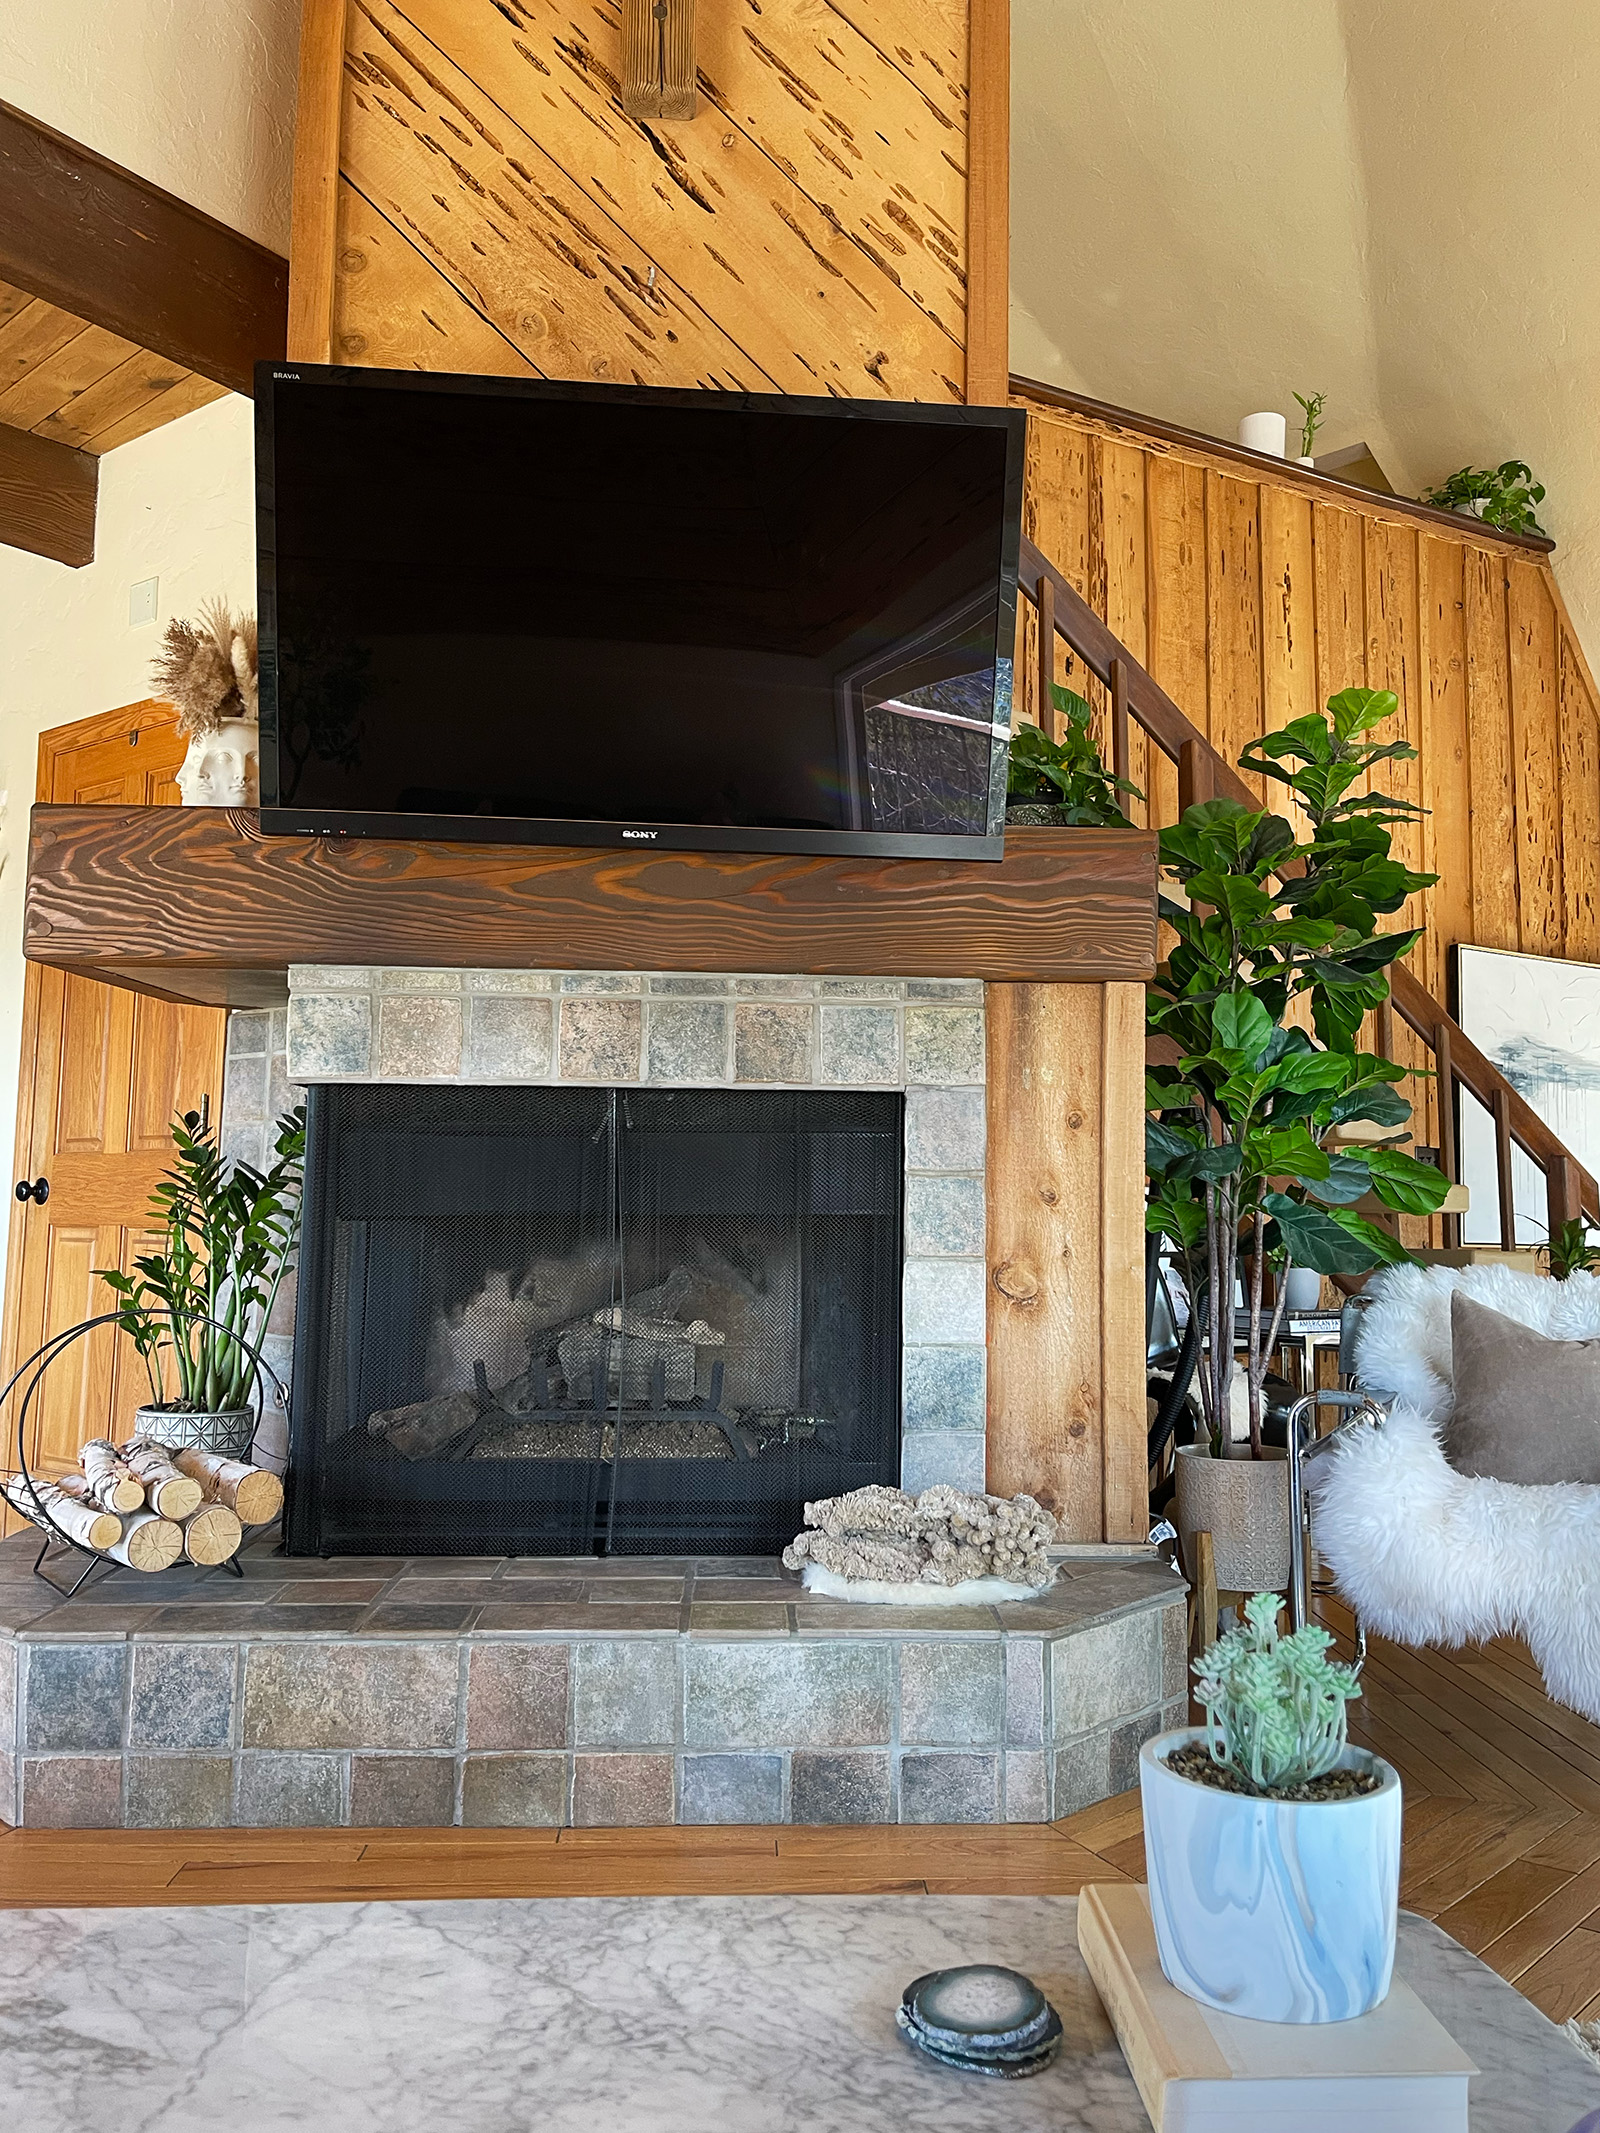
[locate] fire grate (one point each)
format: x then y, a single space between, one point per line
563 1321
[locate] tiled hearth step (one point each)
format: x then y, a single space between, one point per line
439 1692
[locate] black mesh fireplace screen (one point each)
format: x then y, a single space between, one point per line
555 1321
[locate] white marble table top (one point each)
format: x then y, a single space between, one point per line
750 2014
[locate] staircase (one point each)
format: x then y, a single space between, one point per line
1202 774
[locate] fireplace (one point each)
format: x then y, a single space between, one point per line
539 1320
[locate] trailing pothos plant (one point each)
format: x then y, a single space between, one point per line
1067 774
227 1238
1240 1145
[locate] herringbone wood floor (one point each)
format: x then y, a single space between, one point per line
1502 1839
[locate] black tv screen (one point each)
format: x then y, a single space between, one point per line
579 614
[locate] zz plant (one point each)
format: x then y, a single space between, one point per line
1240 1143
1276 1707
228 1236
1067 774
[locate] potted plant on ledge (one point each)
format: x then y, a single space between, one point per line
1272 1847
196 1305
1241 1144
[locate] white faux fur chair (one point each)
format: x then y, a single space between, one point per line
1429 1556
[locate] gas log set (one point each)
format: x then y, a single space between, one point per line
146 1505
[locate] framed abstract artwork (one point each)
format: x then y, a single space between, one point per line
1538 1018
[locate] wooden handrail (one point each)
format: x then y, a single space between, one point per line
1203 774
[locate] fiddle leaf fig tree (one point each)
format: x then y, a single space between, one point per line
1241 1145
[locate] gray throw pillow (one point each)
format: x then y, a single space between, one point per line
1526 1408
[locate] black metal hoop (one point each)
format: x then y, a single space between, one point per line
56 1537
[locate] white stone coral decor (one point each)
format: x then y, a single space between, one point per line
1280 1910
945 1545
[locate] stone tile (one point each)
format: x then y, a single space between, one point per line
329 1034
402 1791
328 977
688 1041
944 1301
592 1621
732 1788
419 1036
860 1045
772 1043
211 1621
600 1039
244 1094
282 1093
769 1591
624 1695
795 988
838 1788
289 1792
860 988
946 1129
268 1564
75 1695
1027 1785
350 1696
248 1032
1082 1774
9 1766
949 1788
508 1037
76 1620
546 1592
326 1592
243 1142
944 1046
602 981
179 1791
944 989
849 1618
398 1617
944 1216
182 1696
514 1791
632 1591
1175 1715
767 1695
1024 1692
72 1792
1105 1672
686 983
1126 1741
507 980
711 1618
436 1591
400 981
934 1455
952 1693
476 1568
517 1695
1175 1651
621 1791
944 1388
8 1696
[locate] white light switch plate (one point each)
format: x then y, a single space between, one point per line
142 602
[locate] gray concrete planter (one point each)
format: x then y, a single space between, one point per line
1243 1503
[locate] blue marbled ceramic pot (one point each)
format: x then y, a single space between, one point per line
1279 1910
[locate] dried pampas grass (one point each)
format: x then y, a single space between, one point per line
208 668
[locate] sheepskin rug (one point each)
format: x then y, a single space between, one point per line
1429 1556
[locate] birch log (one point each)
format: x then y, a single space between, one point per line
169 1493
254 1495
211 1534
53 1509
111 1485
150 1543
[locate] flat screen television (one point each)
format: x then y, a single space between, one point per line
520 610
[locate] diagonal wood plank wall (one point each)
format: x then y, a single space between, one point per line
1252 597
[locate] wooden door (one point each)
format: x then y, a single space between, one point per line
103 1070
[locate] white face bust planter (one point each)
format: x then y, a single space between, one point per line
223 768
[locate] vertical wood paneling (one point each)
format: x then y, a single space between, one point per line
1233 612
1175 493
1125 1470
1393 663
1535 744
1288 621
1446 754
1580 810
1494 822
1122 478
1339 575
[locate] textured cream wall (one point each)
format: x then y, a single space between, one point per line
1214 205
196 95
177 505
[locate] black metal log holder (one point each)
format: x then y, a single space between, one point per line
58 1545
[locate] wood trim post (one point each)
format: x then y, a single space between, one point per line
1049 717
1562 1199
1194 775
1125 1475
1120 755
988 369
1502 1171
314 218
1445 1089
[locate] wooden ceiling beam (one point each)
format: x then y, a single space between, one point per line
47 497
114 249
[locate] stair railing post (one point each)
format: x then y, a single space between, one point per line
1450 1225
1049 717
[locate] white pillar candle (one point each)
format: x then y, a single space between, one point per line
1264 433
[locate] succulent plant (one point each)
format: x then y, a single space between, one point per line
1275 1706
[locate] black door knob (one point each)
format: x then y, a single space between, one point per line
39 1190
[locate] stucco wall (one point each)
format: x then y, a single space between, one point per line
196 95
178 506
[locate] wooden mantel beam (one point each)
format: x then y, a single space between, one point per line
195 904
112 248
47 497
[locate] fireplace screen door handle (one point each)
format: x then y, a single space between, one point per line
39 1190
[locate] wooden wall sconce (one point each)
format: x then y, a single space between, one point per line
658 71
